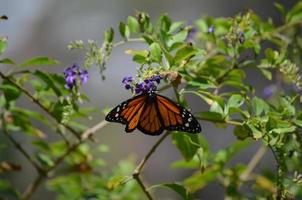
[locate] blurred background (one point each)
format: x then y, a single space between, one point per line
37 28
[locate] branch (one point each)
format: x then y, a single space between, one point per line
140 166
253 163
20 148
141 184
32 187
148 155
86 135
129 40
36 101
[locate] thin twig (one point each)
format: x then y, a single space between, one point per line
86 135
141 184
32 187
140 166
19 147
36 101
129 40
150 152
253 163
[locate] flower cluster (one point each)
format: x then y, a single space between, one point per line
141 87
75 74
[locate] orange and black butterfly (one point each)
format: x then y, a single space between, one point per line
152 113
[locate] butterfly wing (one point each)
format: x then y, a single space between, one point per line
128 112
175 117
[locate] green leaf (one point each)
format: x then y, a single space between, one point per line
178 188
210 116
280 8
7 190
257 134
133 24
109 35
47 79
267 74
39 61
235 101
175 26
45 159
241 132
184 54
10 91
116 181
186 144
3 44
7 61
283 130
124 31
225 155
155 52
295 14
200 180
259 106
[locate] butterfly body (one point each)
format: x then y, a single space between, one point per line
152 113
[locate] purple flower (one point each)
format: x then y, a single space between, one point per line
157 78
128 87
127 79
211 29
83 76
241 37
139 88
71 74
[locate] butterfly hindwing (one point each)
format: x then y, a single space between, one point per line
176 117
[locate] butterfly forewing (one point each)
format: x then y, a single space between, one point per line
125 111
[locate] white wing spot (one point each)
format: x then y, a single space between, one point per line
187 124
116 115
190 119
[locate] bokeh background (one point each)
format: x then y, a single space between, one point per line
37 28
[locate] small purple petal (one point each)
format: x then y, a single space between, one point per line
211 29
157 78
84 76
127 79
138 90
128 87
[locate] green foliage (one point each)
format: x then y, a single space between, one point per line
210 59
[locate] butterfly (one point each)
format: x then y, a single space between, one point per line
152 113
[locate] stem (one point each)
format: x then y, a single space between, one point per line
253 163
140 166
141 184
36 101
20 148
86 135
32 187
279 157
129 40
150 152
